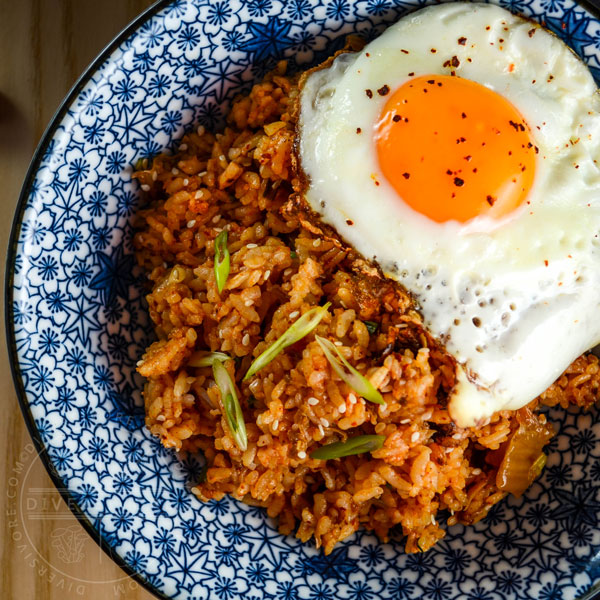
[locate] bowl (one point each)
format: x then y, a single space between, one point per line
77 325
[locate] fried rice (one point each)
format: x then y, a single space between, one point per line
429 474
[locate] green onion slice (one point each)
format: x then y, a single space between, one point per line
356 445
359 383
371 326
296 331
221 260
206 359
231 405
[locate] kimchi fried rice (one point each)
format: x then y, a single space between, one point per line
283 263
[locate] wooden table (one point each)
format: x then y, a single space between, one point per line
44 552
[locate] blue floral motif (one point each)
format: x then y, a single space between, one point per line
77 312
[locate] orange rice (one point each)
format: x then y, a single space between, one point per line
284 263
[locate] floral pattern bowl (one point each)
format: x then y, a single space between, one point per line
77 325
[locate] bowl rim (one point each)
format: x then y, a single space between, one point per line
591 6
11 255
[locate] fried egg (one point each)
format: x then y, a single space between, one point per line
457 152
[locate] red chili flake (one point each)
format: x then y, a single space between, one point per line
475 170
448 172
433 51
517 126
469 60
490 200
537 150
358 130
455 62
439 84
462 41
349 222
376 182
523 168
406 175
577 166
546 262
367 55
369 93
501 40
550 78
488 28
384 90
411 74
510 152
531 32
468 157
511 67
564 25
459 182
461 140
446 63
396 118
431 81
463 115
533 81
404 51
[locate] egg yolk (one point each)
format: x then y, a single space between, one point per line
454 149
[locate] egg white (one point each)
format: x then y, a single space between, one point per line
515 302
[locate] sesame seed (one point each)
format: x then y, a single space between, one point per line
222 158
275 424
352 399
338 343
456 436
313 401
267 273
342 409
246 339
321 431
316 243
139 363
301 455
251 245
294 314
414 437
161 418
404 421
202 174
145 187
201 130
288 272
476 471
186 181
324 422
191 223
154 175
216 218
198 195
432 520
175 171
183 147
248 303
449 450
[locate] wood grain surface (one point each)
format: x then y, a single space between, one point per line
45 45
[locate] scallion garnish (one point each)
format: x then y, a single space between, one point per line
231 405
371 327
359 383
221 260
296 331
356 445
293 254
206 359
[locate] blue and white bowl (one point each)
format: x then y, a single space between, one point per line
77 325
